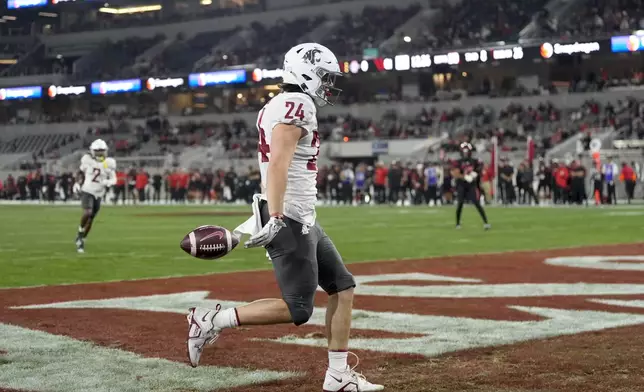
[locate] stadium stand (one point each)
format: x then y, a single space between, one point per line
471 22
108 60
511 121
182 54
103 21
368 29
264 42
216 127
258 43
599 17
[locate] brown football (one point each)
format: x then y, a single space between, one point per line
209 242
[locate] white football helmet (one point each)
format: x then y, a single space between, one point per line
313 67
98 149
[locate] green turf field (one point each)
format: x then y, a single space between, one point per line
37 246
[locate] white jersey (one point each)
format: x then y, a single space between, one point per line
97 175
301 191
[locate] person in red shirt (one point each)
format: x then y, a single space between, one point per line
628 177
183 179
380 182
561 176
140 183
119 187
173 180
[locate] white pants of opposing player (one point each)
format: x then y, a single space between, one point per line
228 193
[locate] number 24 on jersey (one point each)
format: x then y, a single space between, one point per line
264 148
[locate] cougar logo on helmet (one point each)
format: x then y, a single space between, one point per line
313 68
313 56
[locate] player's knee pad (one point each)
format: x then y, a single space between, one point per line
301 309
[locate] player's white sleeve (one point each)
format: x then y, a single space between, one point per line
293 109
111 172
111 164
111 179
85 163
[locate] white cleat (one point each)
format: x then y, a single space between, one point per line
348 381
80 245
201 331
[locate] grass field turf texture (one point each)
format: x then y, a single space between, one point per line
544 332
143 242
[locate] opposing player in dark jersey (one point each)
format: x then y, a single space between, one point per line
465 172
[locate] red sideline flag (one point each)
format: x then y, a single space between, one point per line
530 150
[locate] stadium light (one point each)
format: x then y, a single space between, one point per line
407 39
130 10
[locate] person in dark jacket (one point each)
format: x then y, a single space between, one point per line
395 180
545 180
506 174
526 177
466 172
578 183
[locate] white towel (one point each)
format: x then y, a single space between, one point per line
253 224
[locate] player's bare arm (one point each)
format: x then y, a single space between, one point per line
283 144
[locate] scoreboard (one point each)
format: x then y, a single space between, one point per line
25 4
18 4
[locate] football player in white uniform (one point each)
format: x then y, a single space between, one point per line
99 173
302 254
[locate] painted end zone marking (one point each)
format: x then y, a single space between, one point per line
404 311
600 262
64 364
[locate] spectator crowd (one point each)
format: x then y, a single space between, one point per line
350 183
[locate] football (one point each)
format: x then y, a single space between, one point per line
209 242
